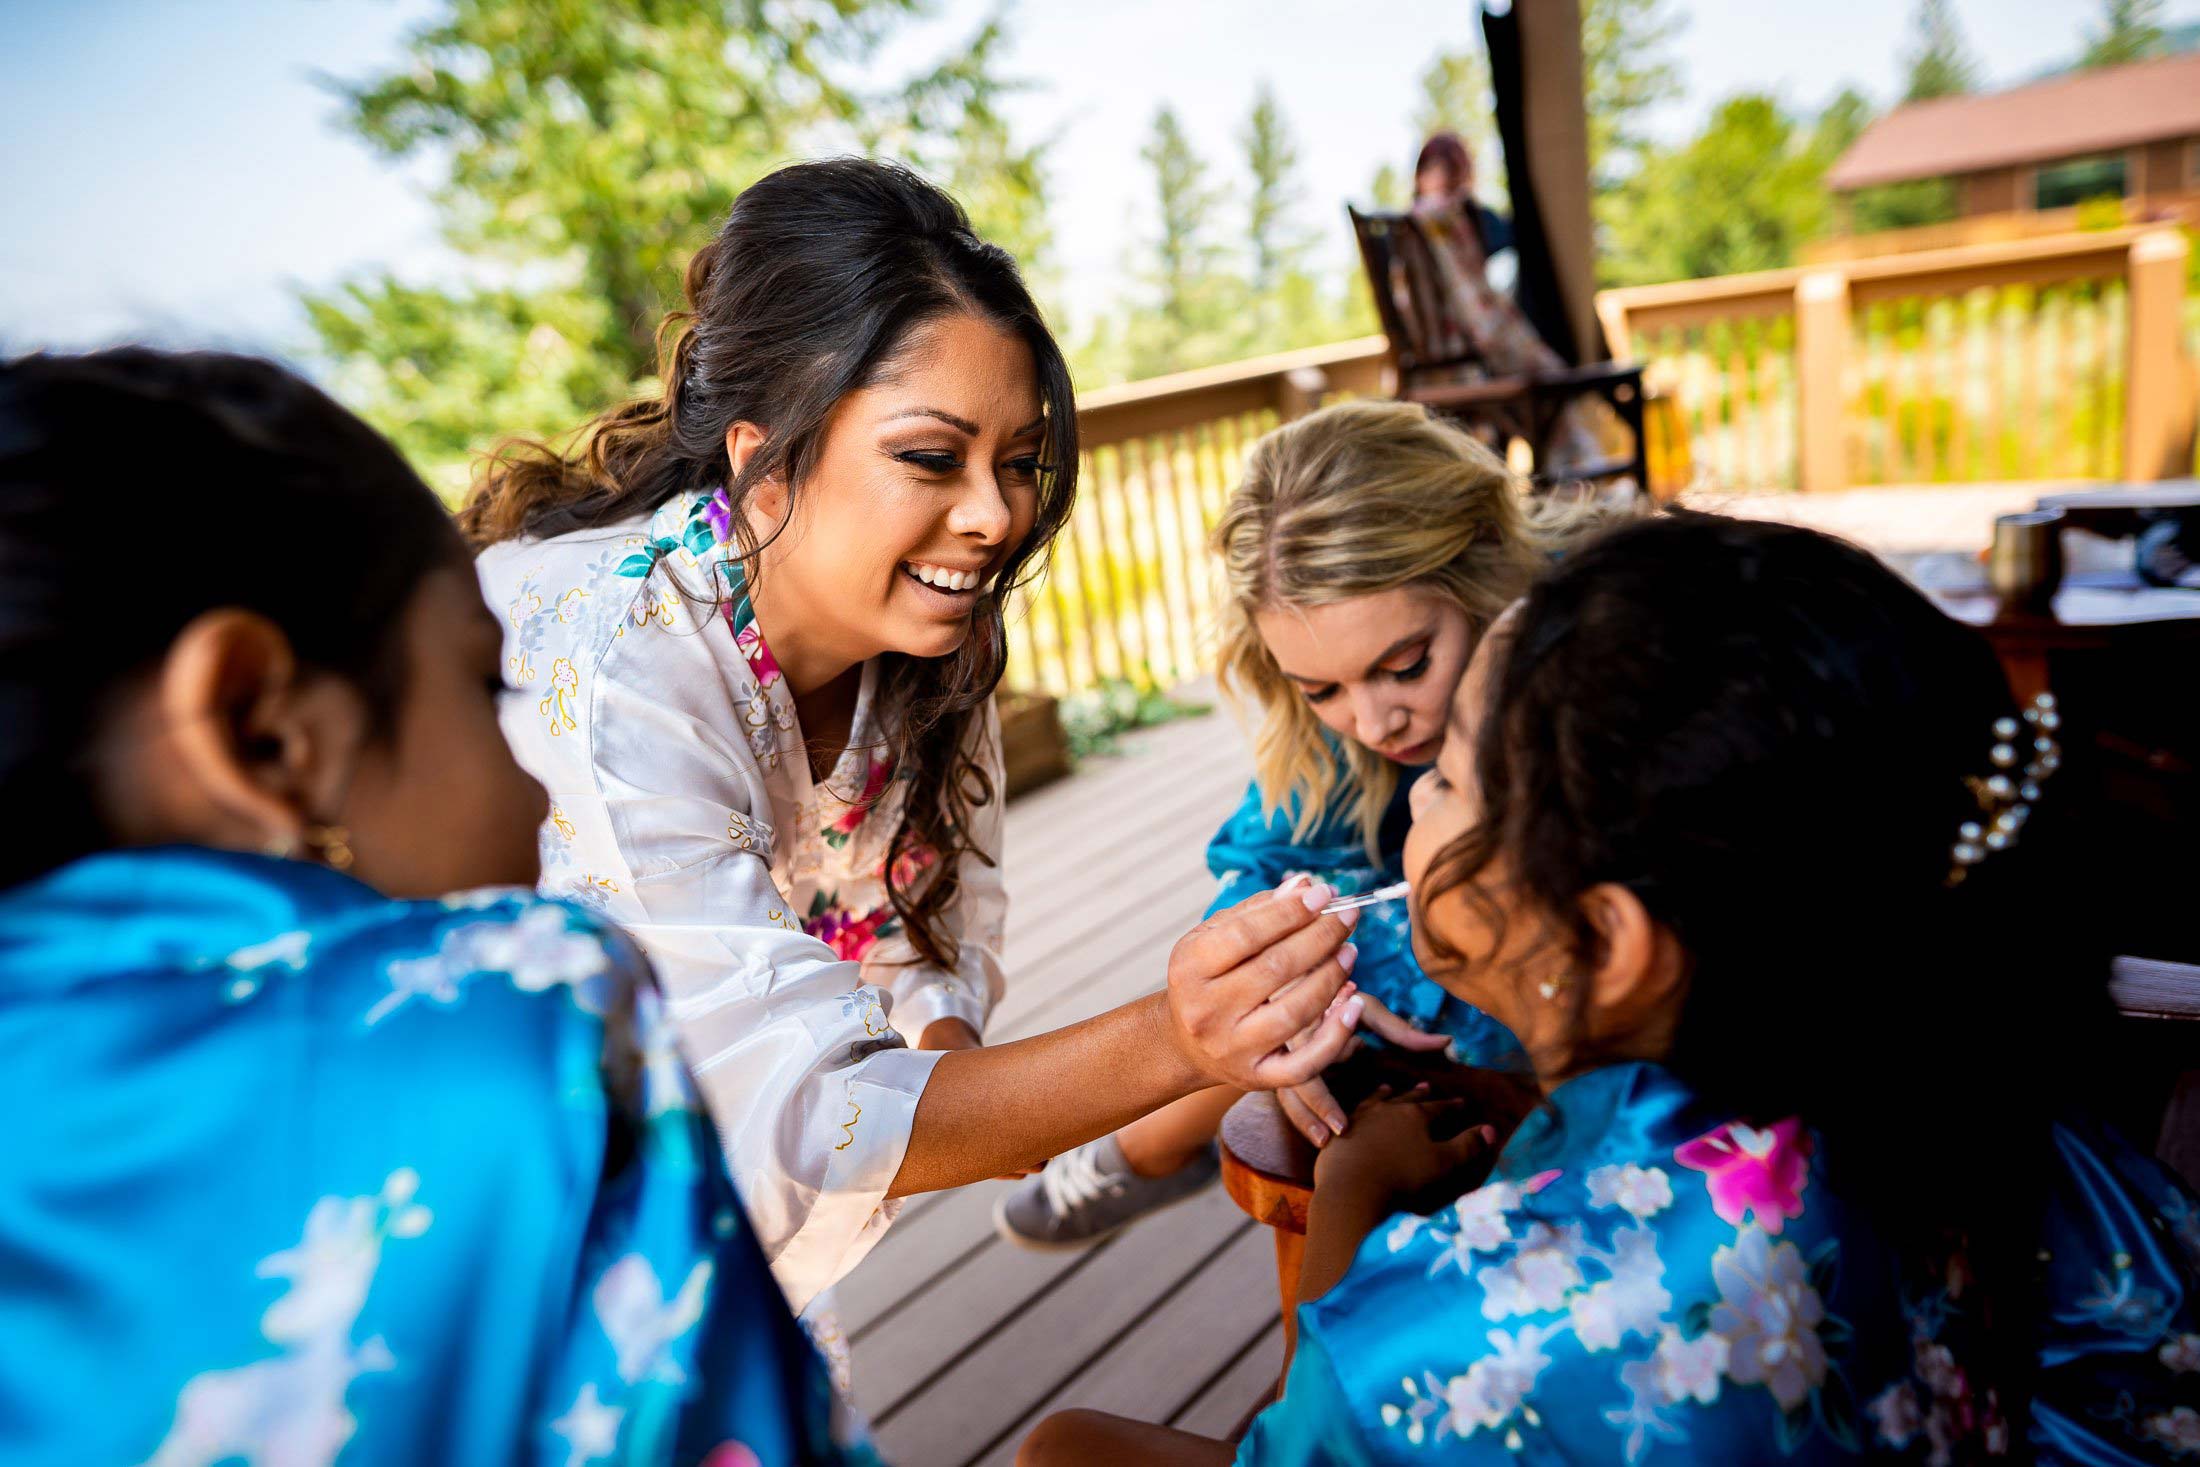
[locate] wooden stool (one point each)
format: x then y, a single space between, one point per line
1268 1170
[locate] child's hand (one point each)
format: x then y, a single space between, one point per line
1310 1107
1394 1150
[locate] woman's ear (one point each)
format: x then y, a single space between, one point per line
249 749
767 496
1637 984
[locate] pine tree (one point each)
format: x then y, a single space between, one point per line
1276 246
584 151
1939 63
1626 70
1186 275
2131 30
1390 188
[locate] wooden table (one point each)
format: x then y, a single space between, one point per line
2117 510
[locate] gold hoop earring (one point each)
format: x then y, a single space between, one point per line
330 845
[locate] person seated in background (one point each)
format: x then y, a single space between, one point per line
1456 307
319 1151
1366 549
1444 172
1733 830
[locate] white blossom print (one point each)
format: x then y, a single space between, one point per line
536 952
642 1323
249 967
2177 1429
1539 1275
590 1428
290 1411
1476 1223
1769 1314
1632 1301
665 1084
1495 1387
2181 1354
1639 1191
1896 1415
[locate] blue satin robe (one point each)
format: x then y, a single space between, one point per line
1254 851
298 1174
1642 1282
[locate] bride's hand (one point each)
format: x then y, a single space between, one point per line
1247 982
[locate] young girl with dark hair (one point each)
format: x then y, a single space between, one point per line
309 1158
1734 831
757 625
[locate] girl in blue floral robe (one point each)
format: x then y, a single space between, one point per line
1722 765
307 1162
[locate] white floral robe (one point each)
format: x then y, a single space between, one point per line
683 808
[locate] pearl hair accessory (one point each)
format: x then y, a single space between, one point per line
2005 798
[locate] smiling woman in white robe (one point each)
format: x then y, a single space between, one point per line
755 626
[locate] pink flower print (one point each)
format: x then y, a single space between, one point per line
751 642
849 936
880 775
1752 1171
732 1454
911 864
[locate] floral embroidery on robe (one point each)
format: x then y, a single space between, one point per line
1642 1281
304 1176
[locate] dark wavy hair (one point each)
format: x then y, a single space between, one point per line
809 290
1765 735
240 486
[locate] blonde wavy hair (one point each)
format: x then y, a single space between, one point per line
1354 500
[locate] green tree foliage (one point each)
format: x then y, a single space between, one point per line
2131 30
1939 62
1887 206
584 150
1627 69
1276 244
1390 188
1213 292
1193 293
1743 195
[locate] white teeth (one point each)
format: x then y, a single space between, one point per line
940 576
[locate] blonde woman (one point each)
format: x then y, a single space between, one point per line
1366 551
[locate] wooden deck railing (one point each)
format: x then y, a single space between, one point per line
1131 595
2036 358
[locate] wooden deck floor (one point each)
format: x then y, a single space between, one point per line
962 1342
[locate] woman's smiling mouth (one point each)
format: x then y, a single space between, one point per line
951 587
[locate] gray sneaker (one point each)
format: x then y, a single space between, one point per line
1088 1194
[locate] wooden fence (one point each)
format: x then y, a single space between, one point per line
1131 595
2029 359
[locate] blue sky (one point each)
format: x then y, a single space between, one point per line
171 170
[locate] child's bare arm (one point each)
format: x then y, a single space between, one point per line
1393 1152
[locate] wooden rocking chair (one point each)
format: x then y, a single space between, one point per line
1440 365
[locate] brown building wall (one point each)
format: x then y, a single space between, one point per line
2165 173
1994 191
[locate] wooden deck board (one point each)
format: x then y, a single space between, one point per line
1249 1380
969 1400
962 1341
1159 1369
